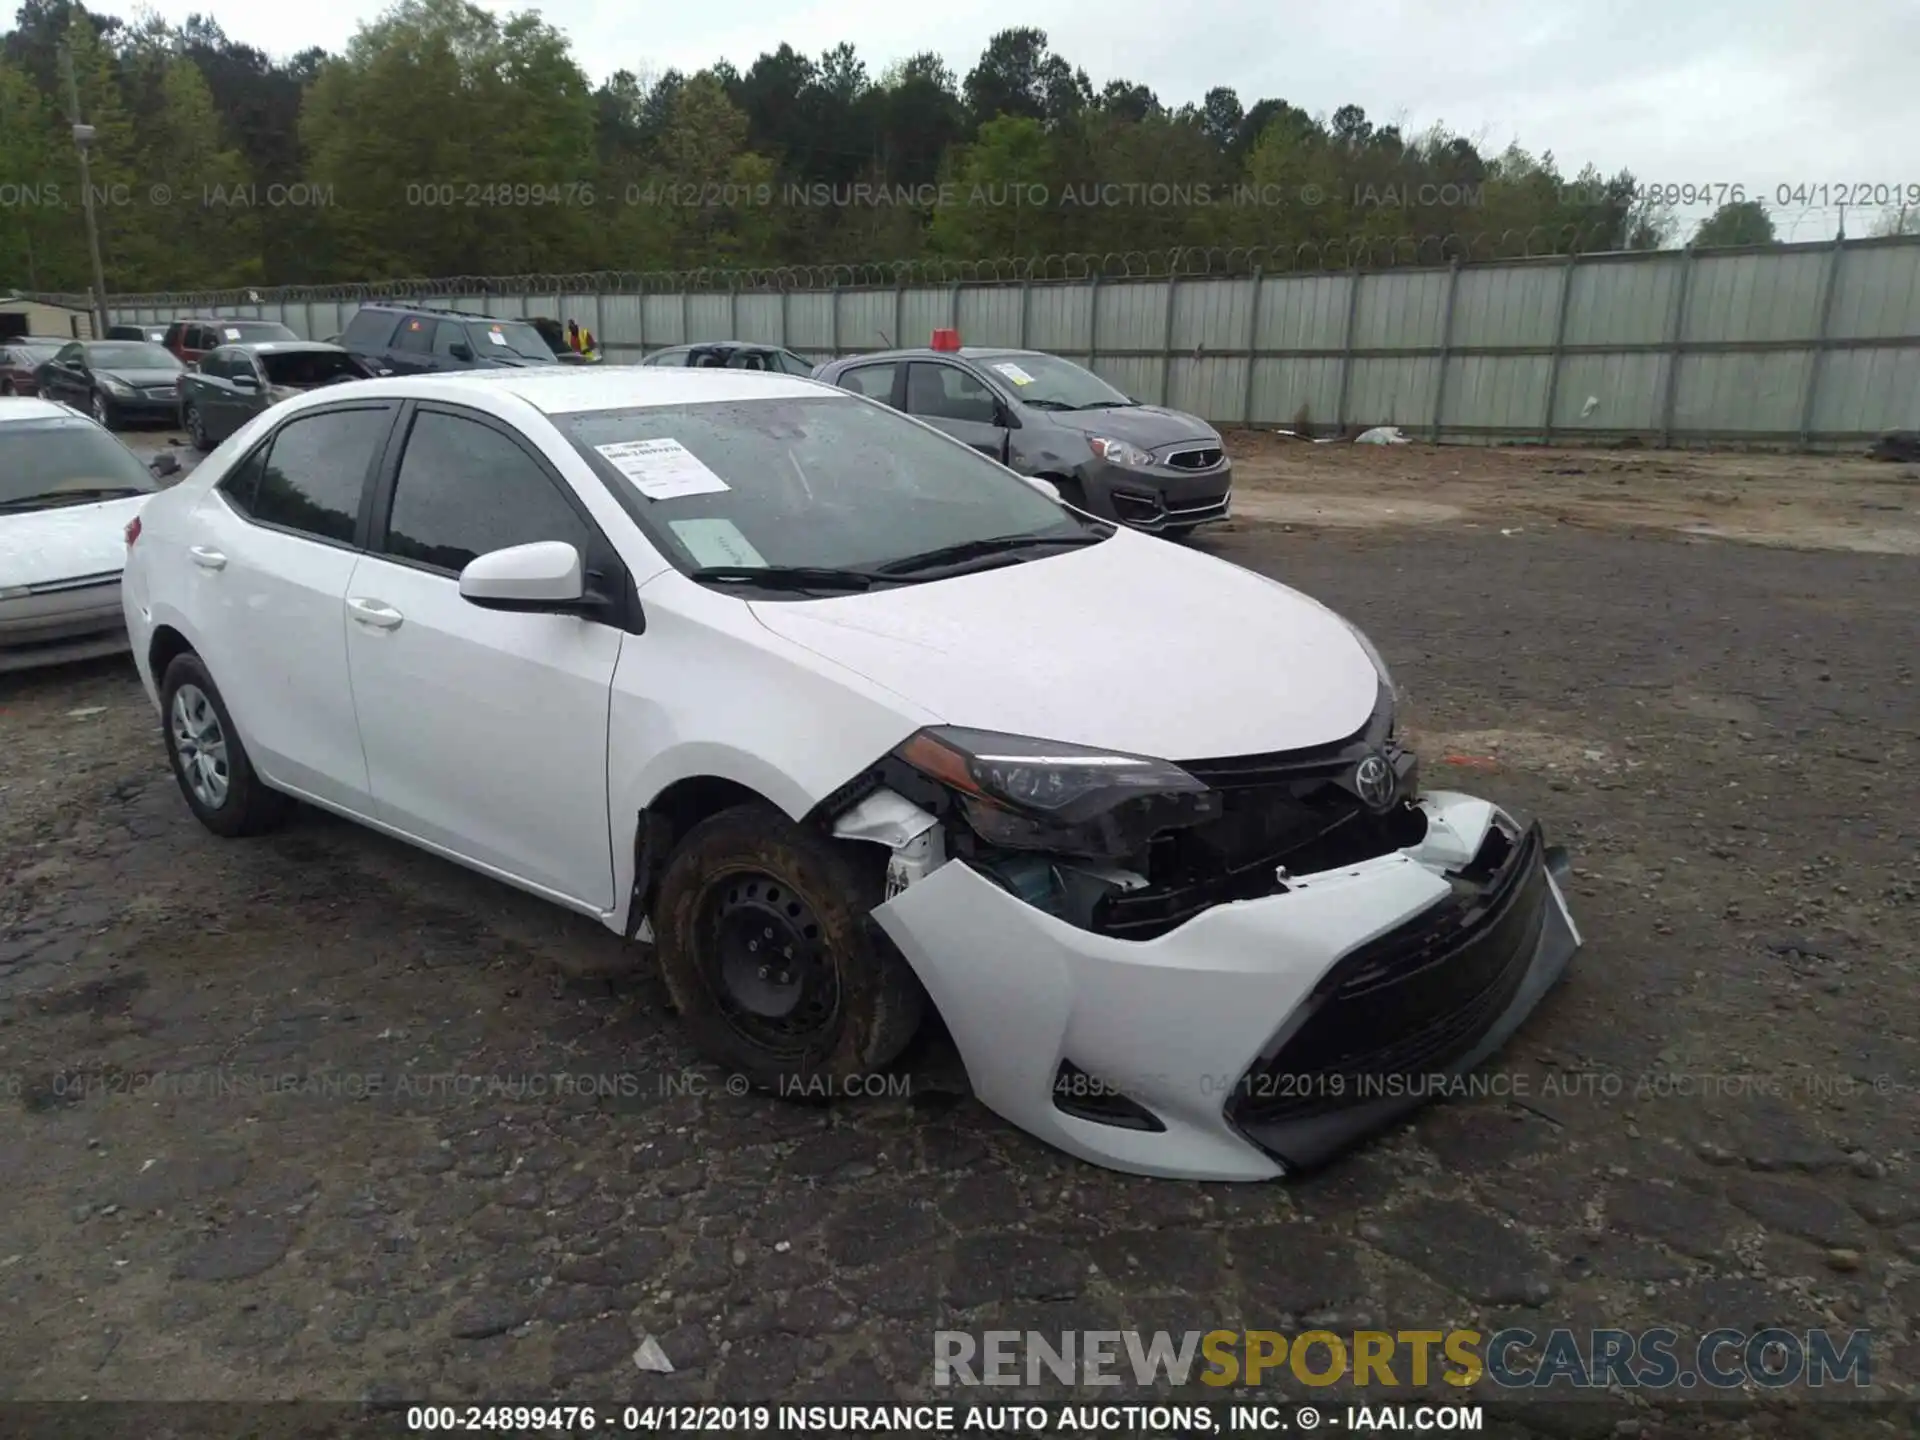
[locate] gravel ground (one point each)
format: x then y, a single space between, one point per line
1712 1123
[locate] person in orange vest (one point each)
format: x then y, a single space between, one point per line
580 341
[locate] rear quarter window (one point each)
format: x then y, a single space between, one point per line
370 330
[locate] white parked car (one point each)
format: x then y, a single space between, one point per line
68 489
849 719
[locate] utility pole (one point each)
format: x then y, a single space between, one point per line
82 138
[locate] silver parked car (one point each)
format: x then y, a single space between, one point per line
1146 467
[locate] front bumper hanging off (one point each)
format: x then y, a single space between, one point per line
1263 1036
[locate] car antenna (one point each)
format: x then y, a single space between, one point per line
886 339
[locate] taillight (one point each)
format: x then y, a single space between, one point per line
133 531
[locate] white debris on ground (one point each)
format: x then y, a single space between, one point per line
1382 435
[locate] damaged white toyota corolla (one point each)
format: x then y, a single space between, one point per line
849 719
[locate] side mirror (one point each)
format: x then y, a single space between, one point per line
544 576
460 350
245 382
164 465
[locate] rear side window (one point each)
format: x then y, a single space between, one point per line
873 381
465 489
316 470
369 330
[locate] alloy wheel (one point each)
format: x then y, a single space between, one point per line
201 745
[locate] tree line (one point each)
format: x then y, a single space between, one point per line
447 141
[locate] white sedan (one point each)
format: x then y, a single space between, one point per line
849 720
68 490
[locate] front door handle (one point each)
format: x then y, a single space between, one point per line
207 559
376 614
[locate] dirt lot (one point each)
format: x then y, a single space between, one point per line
319 1116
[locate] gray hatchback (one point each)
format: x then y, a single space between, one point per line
1146 467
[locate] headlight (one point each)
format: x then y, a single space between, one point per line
118 387
1027 794
1119 452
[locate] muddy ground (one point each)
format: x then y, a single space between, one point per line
318 1116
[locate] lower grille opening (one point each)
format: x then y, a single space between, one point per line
1087 1097
1410 1005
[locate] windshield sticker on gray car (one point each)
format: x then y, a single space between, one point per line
1014 373
496 337
662 469
231 333
716 542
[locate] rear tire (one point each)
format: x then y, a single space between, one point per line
762 931
208 759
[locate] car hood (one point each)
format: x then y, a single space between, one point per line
1136 644
39 546
1148 426
142 378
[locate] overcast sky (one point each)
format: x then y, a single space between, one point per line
1761 93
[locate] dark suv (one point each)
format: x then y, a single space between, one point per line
1149 468
412 339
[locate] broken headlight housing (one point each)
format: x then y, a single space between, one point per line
1025 794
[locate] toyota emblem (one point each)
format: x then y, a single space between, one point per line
1375 782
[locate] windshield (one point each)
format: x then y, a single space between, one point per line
254 331
131 355
824 481
1049 383
42 459
515 337
32 354
305 368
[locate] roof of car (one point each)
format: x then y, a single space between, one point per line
570 389
414 307
15 407
927 352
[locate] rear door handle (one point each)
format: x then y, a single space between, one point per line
207 559
376 614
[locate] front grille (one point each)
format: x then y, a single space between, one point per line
1293 810
1204 457
1412 1003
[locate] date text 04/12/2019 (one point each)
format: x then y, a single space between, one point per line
1788 194
937 1420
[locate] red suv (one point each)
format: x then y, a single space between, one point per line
194 336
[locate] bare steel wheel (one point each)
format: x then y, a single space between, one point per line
764 937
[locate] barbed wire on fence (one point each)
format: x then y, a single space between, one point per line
1336 255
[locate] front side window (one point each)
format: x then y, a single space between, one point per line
369 330
816 481
946 392
465 489
415 337
316 470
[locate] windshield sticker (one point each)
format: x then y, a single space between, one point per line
662 469
231 333
496 337
717 542
1014 373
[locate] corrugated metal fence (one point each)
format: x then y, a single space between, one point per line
1804 345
